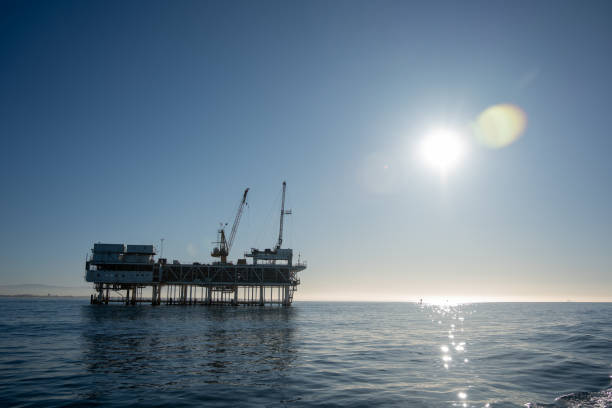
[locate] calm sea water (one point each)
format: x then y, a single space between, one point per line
66 352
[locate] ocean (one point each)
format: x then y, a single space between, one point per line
66 352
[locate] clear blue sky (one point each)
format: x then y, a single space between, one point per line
126 121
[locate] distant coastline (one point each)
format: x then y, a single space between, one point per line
29 295
44 291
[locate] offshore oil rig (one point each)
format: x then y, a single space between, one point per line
126 270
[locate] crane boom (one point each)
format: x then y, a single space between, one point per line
224 246
237 221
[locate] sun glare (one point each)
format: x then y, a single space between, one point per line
442 150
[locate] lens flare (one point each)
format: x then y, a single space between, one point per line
500 125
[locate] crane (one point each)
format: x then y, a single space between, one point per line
282 214
224 246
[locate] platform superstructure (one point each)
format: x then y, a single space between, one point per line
125 273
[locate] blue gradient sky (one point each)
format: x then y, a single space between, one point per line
131 121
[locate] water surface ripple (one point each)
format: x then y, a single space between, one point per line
56 352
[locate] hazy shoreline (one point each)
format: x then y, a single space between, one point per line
52 296
27 295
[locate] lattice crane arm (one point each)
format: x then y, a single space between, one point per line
237 221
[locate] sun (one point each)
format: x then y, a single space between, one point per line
442 150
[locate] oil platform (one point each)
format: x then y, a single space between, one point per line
127 270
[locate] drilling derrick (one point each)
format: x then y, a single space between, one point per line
277 254
282 214
224 246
